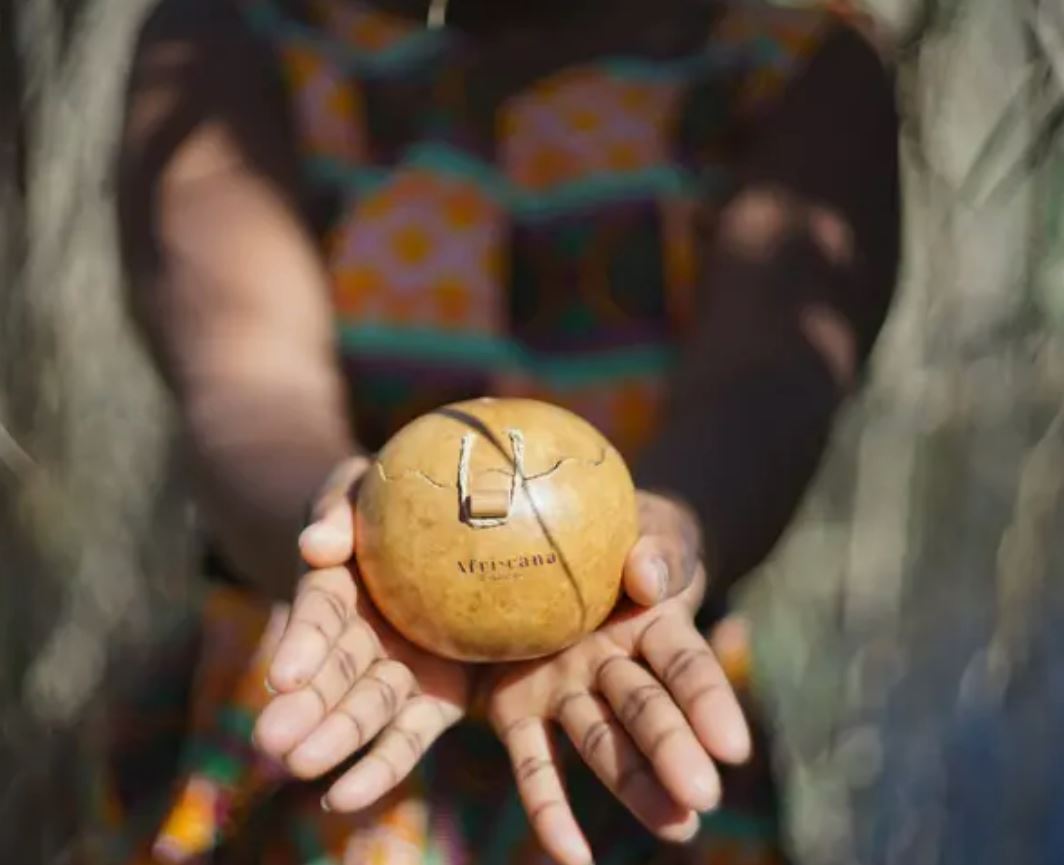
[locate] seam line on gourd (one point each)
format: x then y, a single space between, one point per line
418 473
564 461
412 473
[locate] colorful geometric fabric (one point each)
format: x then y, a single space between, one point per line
533 237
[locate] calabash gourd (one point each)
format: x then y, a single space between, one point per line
495 529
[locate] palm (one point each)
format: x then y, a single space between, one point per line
436 678
348 680
619 635
646 705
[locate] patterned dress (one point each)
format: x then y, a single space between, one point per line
517 216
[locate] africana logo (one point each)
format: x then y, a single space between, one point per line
509 565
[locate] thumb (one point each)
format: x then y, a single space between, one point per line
329 539
657 569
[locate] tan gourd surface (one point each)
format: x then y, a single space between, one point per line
516 556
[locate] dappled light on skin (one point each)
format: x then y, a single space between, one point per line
756 227
756 224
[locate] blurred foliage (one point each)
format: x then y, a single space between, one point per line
907 629
93 525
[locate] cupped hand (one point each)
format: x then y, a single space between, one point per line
343 678
643 699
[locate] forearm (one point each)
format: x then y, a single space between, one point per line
259 454
233 303
798 277
227 282
749 418
244 337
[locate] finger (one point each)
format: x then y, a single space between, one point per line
660 730
329 540
397 751
683 662
658 567
355 720
539 783
606 748
324 603
293 716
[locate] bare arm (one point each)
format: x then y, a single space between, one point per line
799 275
227 284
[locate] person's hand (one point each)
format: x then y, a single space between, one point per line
666 558
643 699
343 677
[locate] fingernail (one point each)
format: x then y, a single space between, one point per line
737 746
706 791
325 804
320 535
691 828
682 833
270 689
575 849
661 576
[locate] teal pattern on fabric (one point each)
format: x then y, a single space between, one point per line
496 354
419 47
599 190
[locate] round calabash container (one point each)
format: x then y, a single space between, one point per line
495 529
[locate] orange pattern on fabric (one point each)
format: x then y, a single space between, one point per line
326 102
628 409
395 258
393 832
680 259
190 827
785 34
361 28
585 122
